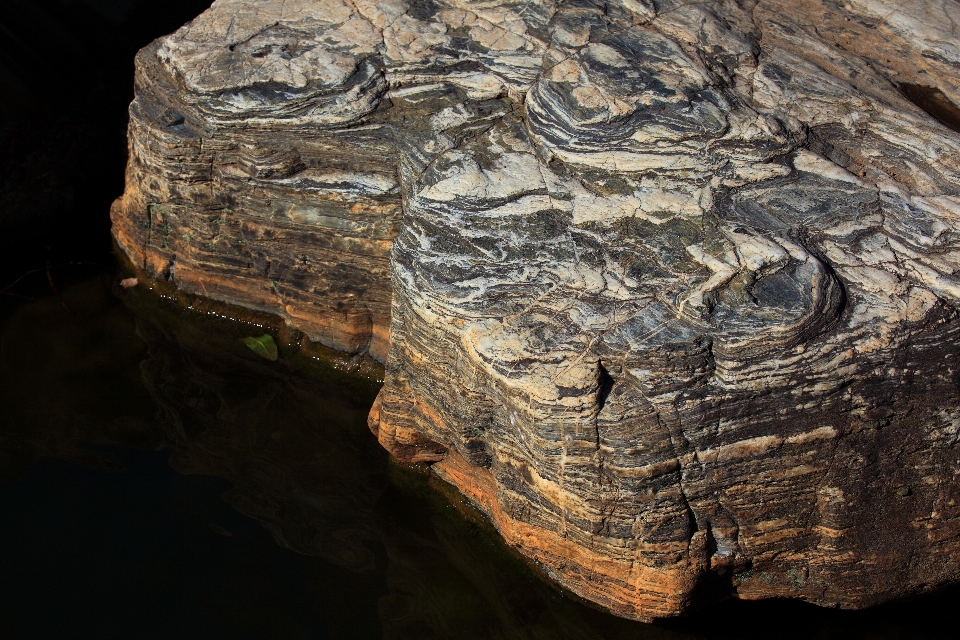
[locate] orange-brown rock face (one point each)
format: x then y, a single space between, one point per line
672 290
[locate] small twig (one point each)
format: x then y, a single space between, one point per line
50 280
4 290
46 268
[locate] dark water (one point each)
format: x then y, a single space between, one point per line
160 480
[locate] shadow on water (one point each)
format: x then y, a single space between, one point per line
131 425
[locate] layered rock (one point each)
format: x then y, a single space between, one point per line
251 177
673 291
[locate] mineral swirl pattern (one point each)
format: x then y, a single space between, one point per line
670 288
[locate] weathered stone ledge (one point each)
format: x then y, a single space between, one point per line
668 289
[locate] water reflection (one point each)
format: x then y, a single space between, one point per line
381 549
294 448
291 437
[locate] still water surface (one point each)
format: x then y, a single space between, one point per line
160 480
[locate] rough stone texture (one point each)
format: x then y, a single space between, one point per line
673 284
260 172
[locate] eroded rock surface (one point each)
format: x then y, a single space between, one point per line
673 283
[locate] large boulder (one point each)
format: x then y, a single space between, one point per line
673 283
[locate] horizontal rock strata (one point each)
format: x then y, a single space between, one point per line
261 172
673 283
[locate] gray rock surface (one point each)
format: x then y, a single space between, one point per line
673 283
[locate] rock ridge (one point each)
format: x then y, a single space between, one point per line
668 289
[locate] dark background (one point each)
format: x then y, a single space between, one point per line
66 79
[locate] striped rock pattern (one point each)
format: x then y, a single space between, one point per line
674 284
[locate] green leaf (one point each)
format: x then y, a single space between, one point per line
264 346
